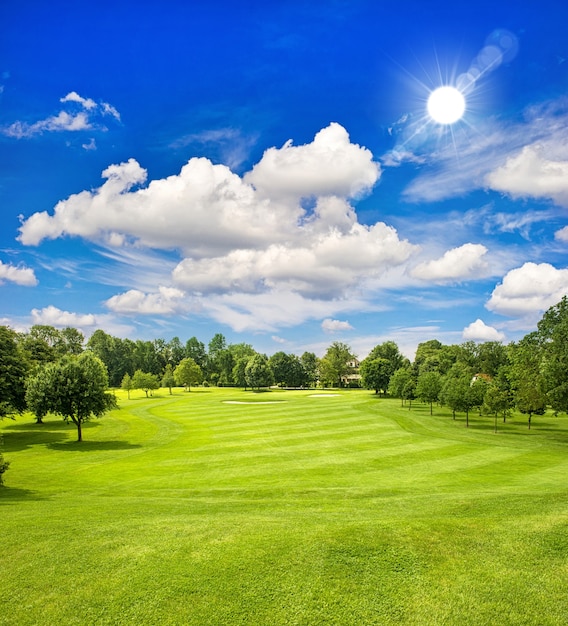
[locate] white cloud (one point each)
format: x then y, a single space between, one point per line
73 96
279 340
330 165
529 290
531 174
273 309
19 275
167 301
479 331
562 234
86 118
333 326
470 160
465 262
239 238
87 323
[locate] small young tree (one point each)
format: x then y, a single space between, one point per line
428 387
188 373
398 382
146 382
168 379
126 384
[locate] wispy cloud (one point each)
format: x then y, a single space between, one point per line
82 114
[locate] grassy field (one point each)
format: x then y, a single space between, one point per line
221 506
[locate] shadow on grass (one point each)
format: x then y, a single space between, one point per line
89 446
11 495
21 436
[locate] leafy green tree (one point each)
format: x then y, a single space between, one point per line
456 394
497 401
195 349
409 391
188 373
13 372
389 351
334 366
168 379
145 381
76 387
258 373
527 380
398 382
428 387
288 370
375 373
310 363
176 351
553 341
71 341
239 371
127 384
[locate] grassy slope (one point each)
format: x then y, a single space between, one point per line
342 510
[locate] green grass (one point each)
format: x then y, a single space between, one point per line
183 509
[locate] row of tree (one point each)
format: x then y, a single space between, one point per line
531 374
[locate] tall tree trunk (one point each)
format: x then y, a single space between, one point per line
79 431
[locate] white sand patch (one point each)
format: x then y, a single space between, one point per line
324 395
253 402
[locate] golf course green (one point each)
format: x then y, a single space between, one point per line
224 506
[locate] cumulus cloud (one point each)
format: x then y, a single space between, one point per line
562 234
241 236
480 331
166 301
333 326
87 323
465 262
85 114
330 165
19 275
529 289
530 173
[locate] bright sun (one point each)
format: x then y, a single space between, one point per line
446 105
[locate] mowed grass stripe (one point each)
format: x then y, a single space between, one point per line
346 511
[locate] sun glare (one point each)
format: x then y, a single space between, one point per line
446 105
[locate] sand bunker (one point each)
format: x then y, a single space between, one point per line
253 402
324 395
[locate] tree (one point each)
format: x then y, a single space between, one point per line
13 372
376 373
127 384
76 388
195 349
428 387
398 382
497 401
145 381
335 364
239 371
553 341
168 379
456 394
288 370
188 373
310 363
527 380
258 373
389 351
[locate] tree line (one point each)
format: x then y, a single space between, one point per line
49 370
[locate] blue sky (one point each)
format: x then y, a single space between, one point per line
270 171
